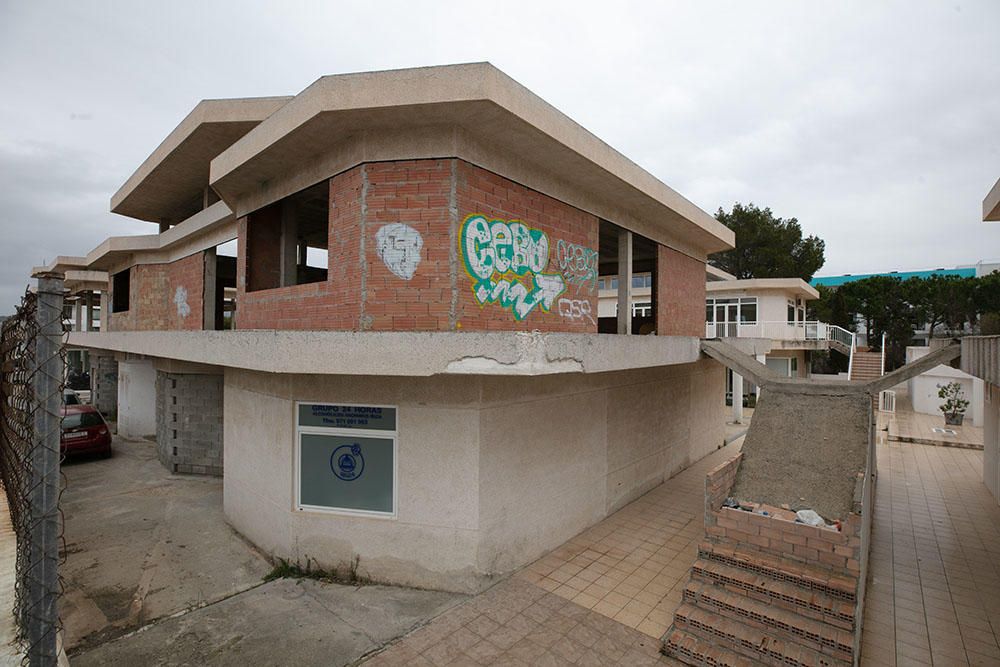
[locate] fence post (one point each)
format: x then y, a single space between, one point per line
47 381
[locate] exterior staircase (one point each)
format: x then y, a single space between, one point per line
744 608
866 365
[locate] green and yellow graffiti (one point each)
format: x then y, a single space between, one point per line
497 254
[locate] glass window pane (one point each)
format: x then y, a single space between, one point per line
346 472
748 312
709 313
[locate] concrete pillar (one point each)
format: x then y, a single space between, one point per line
737 398
78 315
762 358
289 246
105 318
209 292
624 281
136 398
104 384
189 422
88 318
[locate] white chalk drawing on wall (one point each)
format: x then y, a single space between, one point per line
578 264
181 301
398 246
576 309
497 254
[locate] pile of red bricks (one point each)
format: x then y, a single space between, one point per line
766 589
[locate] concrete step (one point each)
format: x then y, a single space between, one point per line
809 577
781 594
785 624
693 650
759 645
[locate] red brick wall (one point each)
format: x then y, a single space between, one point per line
680 305
496 198
330 305
417 295
159 293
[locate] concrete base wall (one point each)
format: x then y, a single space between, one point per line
104 384
492 471
189 427
136 398
991 439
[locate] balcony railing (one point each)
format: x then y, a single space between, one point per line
794 331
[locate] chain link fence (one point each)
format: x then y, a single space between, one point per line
32 363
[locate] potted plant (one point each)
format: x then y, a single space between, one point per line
954 403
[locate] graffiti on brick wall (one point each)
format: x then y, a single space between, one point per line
576 309
398 246
507 262
181 301
578 265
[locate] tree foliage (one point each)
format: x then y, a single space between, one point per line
767 246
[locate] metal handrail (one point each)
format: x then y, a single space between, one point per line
883 354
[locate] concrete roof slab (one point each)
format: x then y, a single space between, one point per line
991 205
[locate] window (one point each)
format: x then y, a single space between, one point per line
121 286
748 310
642 309
288 241
642 280
346 458
709 312
791 312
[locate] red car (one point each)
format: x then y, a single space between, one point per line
84 431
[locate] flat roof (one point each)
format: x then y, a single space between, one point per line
991 205
795 286
836 281
476 112
171 182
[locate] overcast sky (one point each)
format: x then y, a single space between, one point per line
877 125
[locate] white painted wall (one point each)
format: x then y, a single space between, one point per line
924 388
991 440
136 398
493 471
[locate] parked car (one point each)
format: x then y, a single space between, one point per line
78 380
70 397
84 431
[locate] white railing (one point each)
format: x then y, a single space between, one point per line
883 354
887 401
807 330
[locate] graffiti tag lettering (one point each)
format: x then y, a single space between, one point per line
576 309
578 264
498 253
399 245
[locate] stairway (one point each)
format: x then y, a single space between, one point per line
744 607
866 366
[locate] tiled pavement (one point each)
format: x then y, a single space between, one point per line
603 598
934 592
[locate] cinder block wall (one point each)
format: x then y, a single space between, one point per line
189 422
104 384
403 240
163 297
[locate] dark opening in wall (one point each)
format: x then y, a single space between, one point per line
288 241
121 290
644 288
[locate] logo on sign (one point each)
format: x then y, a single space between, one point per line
347 462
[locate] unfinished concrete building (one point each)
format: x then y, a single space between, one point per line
398 359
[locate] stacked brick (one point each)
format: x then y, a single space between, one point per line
189 422
767 590
676 275
104 384
164 297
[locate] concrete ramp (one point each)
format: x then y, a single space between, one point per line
805 451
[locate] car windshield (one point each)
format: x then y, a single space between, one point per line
70 398
82 420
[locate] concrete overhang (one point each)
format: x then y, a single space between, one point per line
991 205
86 281
207 228
391 353
170 183
715 274
472 111
792 286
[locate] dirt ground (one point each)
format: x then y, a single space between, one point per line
142 543
805 451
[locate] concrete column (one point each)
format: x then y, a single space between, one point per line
104 384
624 281
105 311
136 398
78 315
289 247
209 293
737 398
88 319
762 358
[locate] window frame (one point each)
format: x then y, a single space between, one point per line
345 432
